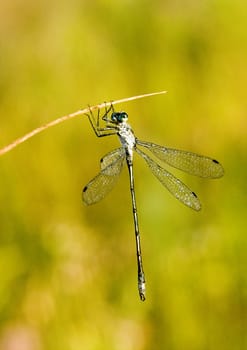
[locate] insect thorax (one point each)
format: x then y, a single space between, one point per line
127 137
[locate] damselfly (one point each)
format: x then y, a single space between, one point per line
112 163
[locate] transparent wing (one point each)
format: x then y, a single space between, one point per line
111 157
189 162
176 187
102 184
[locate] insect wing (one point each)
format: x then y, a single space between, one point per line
189 162
111 157
103 183
176 187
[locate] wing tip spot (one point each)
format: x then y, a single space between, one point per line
194 194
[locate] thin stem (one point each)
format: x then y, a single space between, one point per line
24 138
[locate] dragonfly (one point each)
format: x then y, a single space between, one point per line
115 123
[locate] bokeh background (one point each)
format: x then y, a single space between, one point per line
67 271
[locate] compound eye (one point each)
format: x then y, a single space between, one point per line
114 117
124 116
119 117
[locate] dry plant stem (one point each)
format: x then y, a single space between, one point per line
70 116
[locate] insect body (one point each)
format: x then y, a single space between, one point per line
112 163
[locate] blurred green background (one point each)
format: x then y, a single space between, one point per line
67 271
